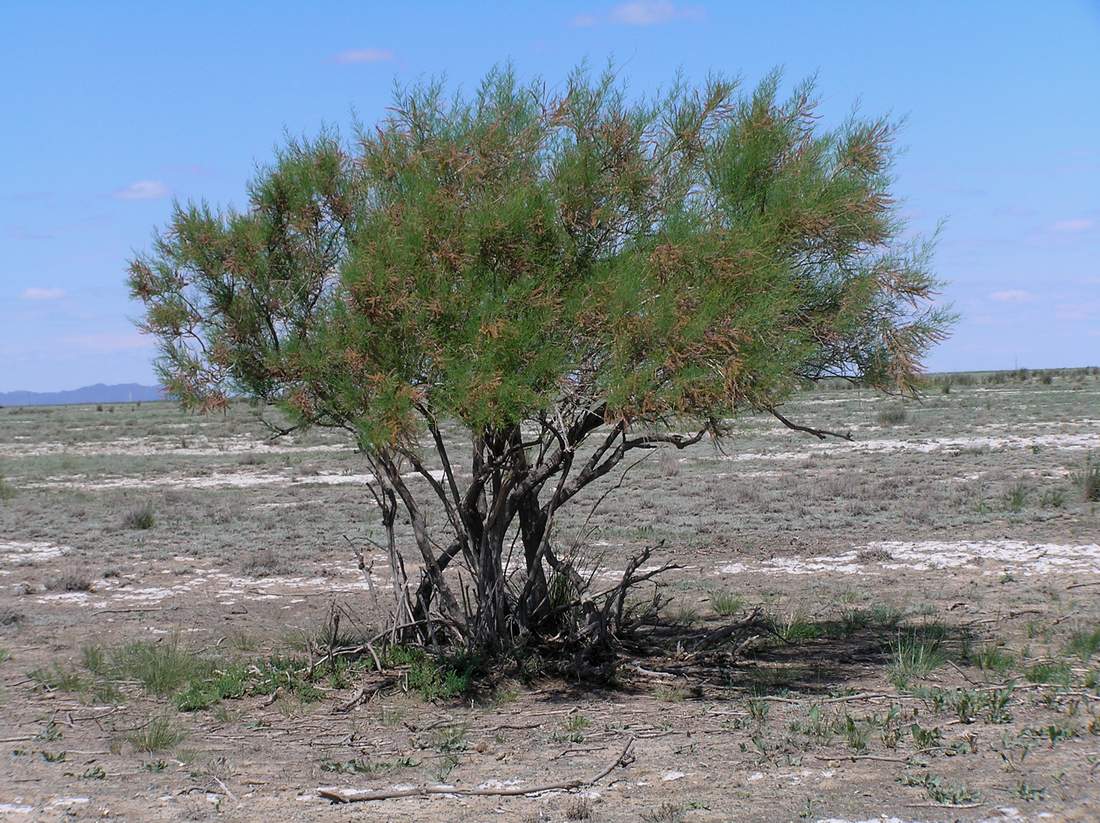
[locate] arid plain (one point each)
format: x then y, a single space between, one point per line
918 625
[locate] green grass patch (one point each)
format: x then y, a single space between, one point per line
59 678
992 658
726 603
1049 672
1084 643
158 735
433 677
916 654
7 490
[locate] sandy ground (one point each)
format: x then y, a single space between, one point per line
959 533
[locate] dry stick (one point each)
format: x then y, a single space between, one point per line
828 758
337 796
134 610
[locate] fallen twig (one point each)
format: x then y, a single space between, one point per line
862 757
353 796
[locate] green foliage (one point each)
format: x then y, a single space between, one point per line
538 263
939 790
468 254
433 677
1049 672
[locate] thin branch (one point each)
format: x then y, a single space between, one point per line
353 796
820 434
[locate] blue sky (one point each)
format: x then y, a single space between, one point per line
111 109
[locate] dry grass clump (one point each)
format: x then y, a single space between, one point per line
141 518
1088 480
892 416
7 490
69 581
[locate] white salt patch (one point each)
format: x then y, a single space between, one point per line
1037 557
12 551
67 801
197 446
347 579
15 808
991 556
1069 442
70 598
498 784
217 480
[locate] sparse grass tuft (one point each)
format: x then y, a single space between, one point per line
56 677
141 519
1088 480
1015 498
578 808
665 813
70 581
726 603
796 627
892 416
939 791
1049 672
992 658
264 563
1054 498
7 490
915 654
158 735
161 668
1084 643
435 678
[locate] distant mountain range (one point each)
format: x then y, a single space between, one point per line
99 393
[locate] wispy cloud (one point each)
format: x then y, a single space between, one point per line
351 56
1012 296
1075 224
143 190
641 13
36 293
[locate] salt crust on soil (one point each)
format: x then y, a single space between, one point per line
1007 814
925 555
23 553
227 589
1069 442
199 446
216 480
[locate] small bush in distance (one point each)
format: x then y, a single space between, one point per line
141 518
